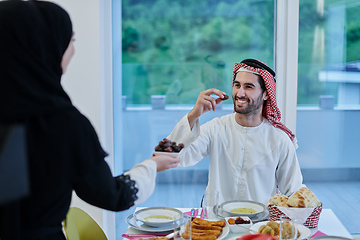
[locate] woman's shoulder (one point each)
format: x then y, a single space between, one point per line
69 122
80 132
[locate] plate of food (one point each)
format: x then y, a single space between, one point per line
209 229
132 222
243 207
139 225
303 232
239 224
263 216
172 154
167 147
158 216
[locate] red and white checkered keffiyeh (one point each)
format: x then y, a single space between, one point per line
271 111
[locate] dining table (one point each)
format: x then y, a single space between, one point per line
329 225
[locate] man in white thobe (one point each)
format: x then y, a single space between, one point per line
252 154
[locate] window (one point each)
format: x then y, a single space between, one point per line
179 48
168 57
172 50
329 63
329 85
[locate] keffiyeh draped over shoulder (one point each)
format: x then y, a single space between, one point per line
271 111
34 37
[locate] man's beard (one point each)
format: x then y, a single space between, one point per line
251 108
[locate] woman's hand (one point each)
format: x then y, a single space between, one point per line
165 162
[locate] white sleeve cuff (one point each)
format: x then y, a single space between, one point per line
144 175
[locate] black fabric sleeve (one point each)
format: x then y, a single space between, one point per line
94 182
101 189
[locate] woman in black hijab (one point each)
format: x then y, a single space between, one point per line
63 150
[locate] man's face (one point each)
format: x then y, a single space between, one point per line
247 94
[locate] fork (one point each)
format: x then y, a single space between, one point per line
193 213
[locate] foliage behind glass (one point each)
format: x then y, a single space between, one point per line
178 48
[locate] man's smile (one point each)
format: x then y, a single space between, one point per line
241 101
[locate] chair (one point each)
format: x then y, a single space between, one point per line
81 226
13 163
14 178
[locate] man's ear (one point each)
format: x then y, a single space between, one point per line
265 95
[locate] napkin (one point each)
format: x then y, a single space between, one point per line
300 214
318 234
137 236
196 212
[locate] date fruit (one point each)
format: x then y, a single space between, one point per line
168 146
226 97
240 220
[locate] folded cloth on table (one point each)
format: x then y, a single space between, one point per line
318 234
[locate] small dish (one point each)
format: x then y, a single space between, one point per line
172 154
239 228
243 207
158 216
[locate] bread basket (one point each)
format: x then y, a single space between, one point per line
311 221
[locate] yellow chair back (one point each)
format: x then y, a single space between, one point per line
81 226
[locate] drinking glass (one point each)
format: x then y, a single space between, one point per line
211 198
287 229
182 228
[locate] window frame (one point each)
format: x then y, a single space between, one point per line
287 35
107 135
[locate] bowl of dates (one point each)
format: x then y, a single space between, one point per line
239 224
167 147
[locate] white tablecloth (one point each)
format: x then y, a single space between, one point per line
328 224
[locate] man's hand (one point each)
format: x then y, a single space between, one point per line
165 162
205 103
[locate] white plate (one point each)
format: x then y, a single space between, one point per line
225 231
132 222
166 216
230 205
258 218
304 231
330 238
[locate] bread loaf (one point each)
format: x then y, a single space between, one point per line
279 200
304 198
